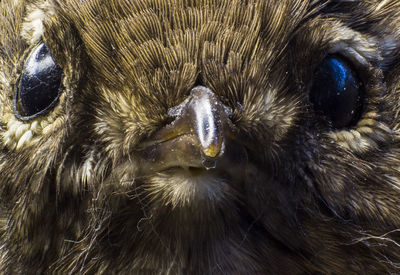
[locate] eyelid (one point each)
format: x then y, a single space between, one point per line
361 63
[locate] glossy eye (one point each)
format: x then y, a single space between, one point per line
337 93
40 85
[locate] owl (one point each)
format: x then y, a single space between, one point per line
199 137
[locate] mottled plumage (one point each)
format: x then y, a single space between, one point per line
114 178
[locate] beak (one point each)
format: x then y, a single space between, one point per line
195 138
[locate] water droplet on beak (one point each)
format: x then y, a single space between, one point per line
209 164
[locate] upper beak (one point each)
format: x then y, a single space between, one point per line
195 138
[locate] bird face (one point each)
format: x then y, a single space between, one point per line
199 137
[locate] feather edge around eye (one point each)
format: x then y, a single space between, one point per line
367 129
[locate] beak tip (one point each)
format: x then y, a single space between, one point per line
213 150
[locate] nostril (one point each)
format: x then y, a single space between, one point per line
168 120
199 81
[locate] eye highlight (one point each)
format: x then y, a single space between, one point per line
40 85
337 94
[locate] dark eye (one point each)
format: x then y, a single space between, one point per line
337 93
40 84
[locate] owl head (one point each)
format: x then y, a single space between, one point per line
199 137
